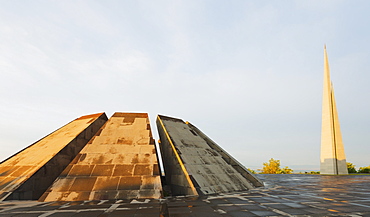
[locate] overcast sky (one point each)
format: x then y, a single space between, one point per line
247 73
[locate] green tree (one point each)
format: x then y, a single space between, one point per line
351 168
364 169
273 167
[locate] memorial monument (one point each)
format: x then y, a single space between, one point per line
333 159
96 158
119 162
27 174
196 165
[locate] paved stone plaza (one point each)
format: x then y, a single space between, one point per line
284 195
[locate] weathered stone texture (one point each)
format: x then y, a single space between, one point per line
119 162
226 157
27 174
194 164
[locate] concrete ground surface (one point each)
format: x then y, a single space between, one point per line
284 195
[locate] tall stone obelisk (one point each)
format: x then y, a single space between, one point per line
333 158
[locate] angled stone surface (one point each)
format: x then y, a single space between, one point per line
228 158
333 159
120 162
27 174
195 165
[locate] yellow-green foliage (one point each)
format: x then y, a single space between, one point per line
286 170
351 168
252 171
273 167
364 169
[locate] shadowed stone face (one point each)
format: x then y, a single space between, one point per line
194 164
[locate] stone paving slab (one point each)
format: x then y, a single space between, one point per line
285 195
